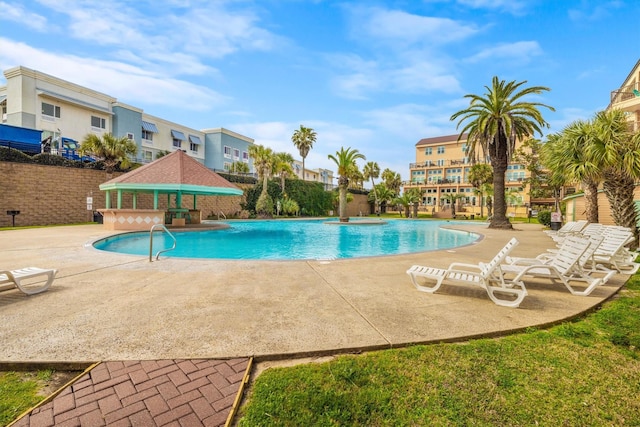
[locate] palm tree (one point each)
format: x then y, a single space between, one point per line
239 167
303 140
495 122
384 194
346 162
406 200
356 179
111 150
615 150
263 159
392 180
282 167
372 170
565 154
480 174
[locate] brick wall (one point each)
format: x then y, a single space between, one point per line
47 195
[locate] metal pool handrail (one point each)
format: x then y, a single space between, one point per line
151 241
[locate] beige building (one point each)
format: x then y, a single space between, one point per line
324 176
441 173
627 97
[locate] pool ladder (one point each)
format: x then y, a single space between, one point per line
151 241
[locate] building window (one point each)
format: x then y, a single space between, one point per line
227 165
440 162
147 156
227 152
245 156
236 154
428 151
147 135
441 149
177 143
130 136
50 110
193 147
98 122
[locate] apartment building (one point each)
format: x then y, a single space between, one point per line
66 112
441 173
324 176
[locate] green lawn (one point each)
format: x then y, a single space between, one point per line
579 373
19 392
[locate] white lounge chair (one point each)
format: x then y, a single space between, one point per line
613 252
563 266
487 276
29 280
585 267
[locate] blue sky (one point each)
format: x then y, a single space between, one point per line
377 76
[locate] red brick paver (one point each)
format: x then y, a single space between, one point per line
146 393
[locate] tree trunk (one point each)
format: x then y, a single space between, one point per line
342 208
499 161
619 191
591 200
375 194
499 219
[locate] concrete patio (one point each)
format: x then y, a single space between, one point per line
105 306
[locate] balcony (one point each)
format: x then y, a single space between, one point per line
626 98
444 163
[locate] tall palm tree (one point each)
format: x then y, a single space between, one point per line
616 152
480 174
566 156
346 162
282 167
370 171
113 151
496 121
263 159
303 140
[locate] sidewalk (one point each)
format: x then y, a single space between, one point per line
125 310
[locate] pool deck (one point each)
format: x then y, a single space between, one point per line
125 309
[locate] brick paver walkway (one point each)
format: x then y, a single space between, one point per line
146 393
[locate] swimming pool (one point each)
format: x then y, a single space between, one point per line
295 239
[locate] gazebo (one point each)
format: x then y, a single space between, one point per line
174 175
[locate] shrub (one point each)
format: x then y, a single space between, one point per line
13 155
264 206
544 218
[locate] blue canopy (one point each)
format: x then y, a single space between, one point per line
23 139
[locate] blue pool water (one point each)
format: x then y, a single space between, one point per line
298 239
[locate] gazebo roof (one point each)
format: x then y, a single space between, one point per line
173 173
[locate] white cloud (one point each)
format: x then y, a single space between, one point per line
17 13
127 83
519 53
396 26
511 6
180 39
588 13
